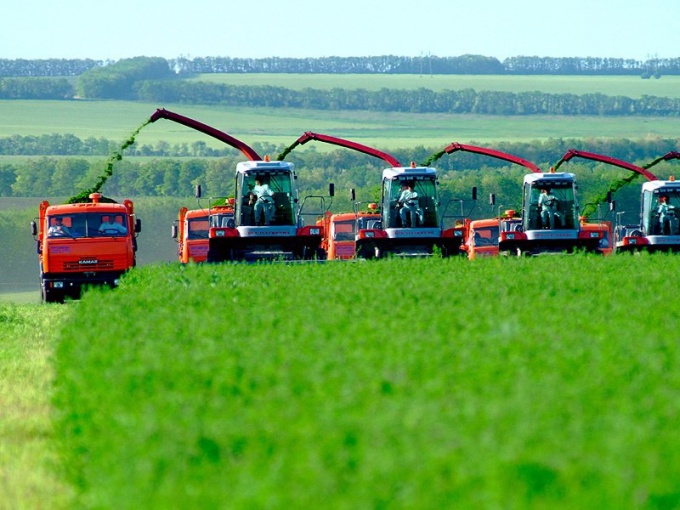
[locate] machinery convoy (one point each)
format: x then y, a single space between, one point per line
94 242
549 220
409 220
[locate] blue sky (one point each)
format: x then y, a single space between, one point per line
37 29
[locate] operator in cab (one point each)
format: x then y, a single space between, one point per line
666 214
408 203
547 205
262 201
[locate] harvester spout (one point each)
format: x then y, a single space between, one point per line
333 140
245 149
665 157
453 147
572 153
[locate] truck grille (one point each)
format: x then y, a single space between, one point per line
88 265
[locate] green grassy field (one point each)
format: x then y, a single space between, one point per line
630 86
508 383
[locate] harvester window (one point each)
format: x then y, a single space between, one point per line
268 199
414 203
552 207
661 218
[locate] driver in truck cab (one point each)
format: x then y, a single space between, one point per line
58 229
111 226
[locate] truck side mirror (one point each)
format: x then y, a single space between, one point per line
138 225
609 197
331 190
352 195
197 191
34 228
174 231
492 199
612 205
474 192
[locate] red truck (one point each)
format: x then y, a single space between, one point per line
84 244
192 230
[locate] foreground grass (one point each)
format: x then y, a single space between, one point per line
28 475
544 383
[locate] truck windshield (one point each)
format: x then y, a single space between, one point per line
197 228
344 230
87 225
486 236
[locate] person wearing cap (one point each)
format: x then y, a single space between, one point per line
58 229
547 205
408 203
262 201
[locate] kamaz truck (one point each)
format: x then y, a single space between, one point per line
84 244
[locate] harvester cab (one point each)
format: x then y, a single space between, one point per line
409 223
549 218
658 228
266 223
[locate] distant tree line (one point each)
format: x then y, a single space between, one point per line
412 101
386 64
171 176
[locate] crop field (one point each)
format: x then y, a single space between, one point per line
115 120
629 86
442 383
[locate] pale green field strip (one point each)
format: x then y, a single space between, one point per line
629 86
29 476
115 120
